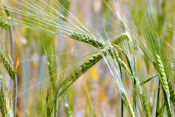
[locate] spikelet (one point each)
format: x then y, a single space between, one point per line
145 104
85 38
85 66
144 101
4 24
163 78
8 66
3 107
172 93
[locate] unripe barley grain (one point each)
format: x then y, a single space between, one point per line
3 107
84 67
4 24
145 104
172 93
8 66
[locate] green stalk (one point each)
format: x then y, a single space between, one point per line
157 105
11 39
135 87
134 98
121 73
14 80
12 57
15 97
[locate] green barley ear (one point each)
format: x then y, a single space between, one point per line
96 43
81 70
163 78
78 72
145 103
3 107
87 39
172 93
120 38
4 24
8 66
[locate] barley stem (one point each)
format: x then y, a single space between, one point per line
158 95
12 57
15 98
127 104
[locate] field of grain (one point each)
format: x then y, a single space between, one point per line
76 58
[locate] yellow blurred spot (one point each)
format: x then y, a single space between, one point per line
23 30
16 67
102 96
93 72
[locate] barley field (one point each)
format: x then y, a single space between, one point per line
87 58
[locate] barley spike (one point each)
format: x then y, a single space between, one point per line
8 66
163 78
3 107
4 24
120 38
172 92
145 103
80 71
84 38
